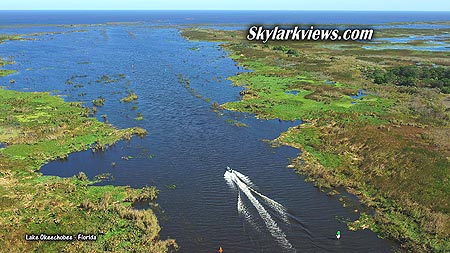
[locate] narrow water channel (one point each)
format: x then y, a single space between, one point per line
188 146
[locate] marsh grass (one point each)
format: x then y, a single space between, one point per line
39 128
386 147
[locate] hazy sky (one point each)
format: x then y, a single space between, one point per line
387 5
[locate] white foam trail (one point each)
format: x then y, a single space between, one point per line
245 179
242 209
277 207
229 180
271 225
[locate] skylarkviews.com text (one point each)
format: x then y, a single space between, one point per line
259 33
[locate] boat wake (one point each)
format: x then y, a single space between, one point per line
242 210
242 184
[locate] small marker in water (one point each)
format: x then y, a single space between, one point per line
338 234
220 249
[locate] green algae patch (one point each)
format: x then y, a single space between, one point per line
38 128
388 146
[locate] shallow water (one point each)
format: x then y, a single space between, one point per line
188 145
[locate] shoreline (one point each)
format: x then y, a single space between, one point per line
340 135
277 88
38 128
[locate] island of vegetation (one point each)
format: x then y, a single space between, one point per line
376 122
36 128
131 96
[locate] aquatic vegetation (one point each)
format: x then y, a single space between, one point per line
72 81
187 85
5 72
236 123
216 106
171 186
143 194
129 98
4 62
104 177
128 157
100 101
145 154
38 128
379 148
140 116
105 79
4 37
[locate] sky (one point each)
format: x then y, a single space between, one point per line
378 5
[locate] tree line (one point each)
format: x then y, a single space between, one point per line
417 76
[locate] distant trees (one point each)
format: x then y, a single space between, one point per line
418 76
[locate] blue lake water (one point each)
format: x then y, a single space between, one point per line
221 17
361 93
188 144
